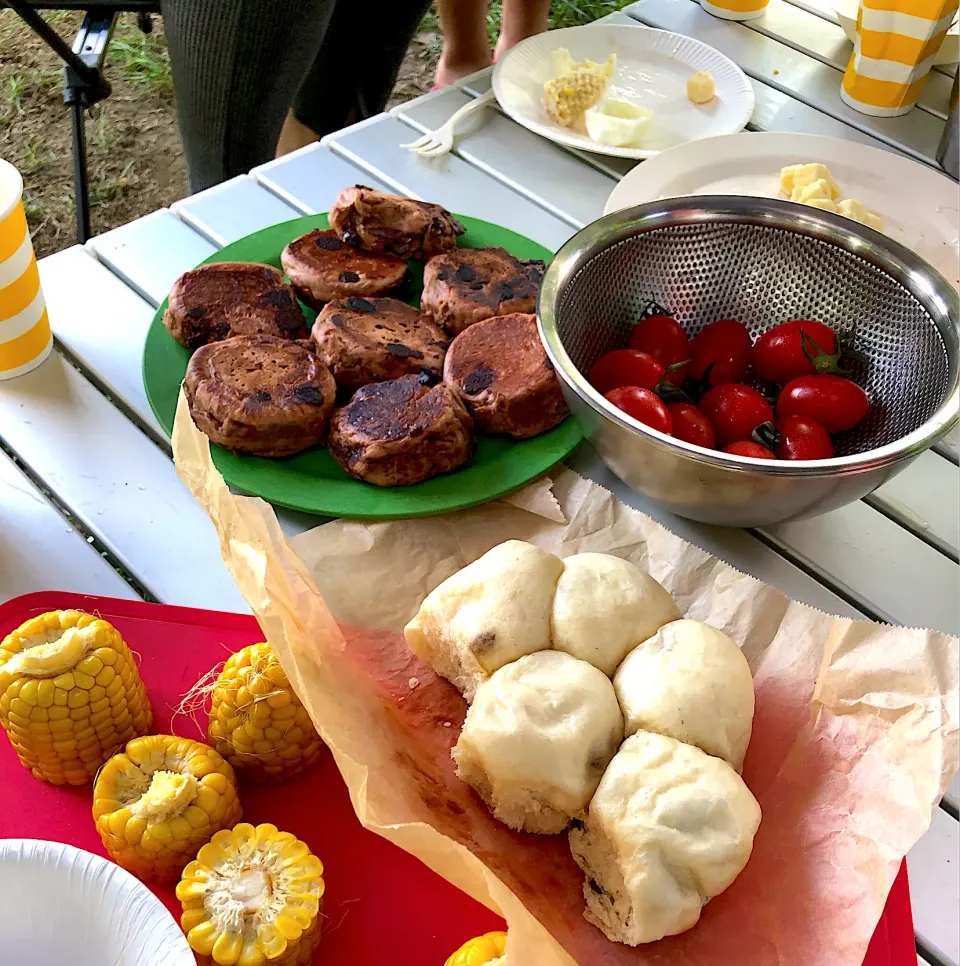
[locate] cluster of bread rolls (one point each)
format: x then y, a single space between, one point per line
595 707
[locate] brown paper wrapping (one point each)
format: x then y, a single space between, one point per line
855 737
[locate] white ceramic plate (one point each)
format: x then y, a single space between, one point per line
846 11
61 905
920 208
652 71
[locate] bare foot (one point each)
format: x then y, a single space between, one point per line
449 70
294 135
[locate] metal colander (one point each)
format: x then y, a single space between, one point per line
762 262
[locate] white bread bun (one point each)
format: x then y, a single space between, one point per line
490 613
668 828
537 738
604 607
690 682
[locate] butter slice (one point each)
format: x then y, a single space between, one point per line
826 204
795 177
818 191
856 210
700 87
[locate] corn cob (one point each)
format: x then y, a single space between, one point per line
70 695
256 720
576 89
159 800
252 897
485 950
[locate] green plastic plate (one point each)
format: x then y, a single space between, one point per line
313 481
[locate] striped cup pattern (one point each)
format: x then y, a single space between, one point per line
25 339
897 41
735 9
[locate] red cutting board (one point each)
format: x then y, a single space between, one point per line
381 904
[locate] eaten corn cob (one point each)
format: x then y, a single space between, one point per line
159 800
257 722
576 86
70 695
485 950
252 897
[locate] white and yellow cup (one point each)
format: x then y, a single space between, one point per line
25 338
896 45
735 9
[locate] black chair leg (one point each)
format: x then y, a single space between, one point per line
81 191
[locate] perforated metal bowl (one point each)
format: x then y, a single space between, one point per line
763 262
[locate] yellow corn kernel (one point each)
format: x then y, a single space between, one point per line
485 950
158 801
256 720
252 897
47 688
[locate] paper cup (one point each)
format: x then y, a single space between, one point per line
735 9
25 339
897 43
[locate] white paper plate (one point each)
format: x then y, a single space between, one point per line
920 208
846 11
60 905
652 71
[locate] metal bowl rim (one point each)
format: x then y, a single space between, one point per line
899 262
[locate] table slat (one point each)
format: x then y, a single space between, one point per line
924 499
812 35
102 322
521 160
40 550
230 210
933 866
877 562
783 68
118 483
310 178
149 253
449 181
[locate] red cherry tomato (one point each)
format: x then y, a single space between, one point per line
663 337
625 367
644 405
778 354
723 347
690 425
735 411
802 439
834 402
746 447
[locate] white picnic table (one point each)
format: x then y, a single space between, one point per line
90 502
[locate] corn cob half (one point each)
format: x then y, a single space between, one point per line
485 950
256 720
252 897
70 695
158 801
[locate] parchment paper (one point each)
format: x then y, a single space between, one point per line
854 741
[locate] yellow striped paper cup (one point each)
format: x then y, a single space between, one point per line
896 45
25 339
735 9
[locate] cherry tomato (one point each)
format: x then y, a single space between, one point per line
723 347
735 411
778 354
834 402
644 405
802 439
690 425
625 367
663 337
746 447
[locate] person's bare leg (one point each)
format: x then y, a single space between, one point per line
294 135
521 19
465 45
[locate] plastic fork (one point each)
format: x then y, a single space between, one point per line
440 142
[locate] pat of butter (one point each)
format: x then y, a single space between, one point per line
795 177
616 123
700 87
855 210
818 191
826 204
